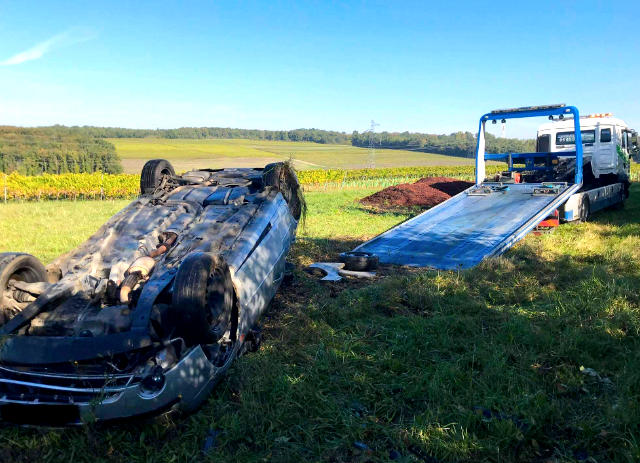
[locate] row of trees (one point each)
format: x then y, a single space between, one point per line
312 135
33 151
456 144
60 149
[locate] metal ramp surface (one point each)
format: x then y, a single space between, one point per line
462 231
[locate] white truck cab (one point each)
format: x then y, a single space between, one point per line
608 146
608 143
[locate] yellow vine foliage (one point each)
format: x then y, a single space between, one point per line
105 186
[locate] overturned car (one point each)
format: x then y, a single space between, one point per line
149 312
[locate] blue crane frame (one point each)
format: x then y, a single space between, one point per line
529 158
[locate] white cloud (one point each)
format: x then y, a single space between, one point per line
67 38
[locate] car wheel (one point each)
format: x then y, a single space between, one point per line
282 177
202 301
359 261
20 267
152 173
253 340
289 268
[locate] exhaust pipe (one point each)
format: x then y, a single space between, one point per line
142 266
140 269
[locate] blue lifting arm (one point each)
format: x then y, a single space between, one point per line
528 158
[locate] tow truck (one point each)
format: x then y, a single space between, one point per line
581 165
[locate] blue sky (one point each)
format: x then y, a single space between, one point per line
418 66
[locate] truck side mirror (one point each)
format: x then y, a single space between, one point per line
634 147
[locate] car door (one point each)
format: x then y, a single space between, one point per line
605 157
259 275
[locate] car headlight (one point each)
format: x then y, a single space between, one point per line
153 382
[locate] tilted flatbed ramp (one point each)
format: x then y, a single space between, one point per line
462 231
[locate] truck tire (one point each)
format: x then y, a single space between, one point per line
282 177
152 173
359 261
202 300
620 204
584 208
21 267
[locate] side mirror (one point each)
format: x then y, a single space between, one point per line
634 147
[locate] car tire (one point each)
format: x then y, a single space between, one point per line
19 266
359 261
253 340
289 268
202 300
584 208
281 177
152 174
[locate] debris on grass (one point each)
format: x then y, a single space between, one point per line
334 271
594 374
210 441
362 447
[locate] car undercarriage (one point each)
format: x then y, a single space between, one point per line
148 313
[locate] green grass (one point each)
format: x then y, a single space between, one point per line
188 154
481 365
49 228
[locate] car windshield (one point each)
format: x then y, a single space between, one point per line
569 138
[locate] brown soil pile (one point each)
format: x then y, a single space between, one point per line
425 193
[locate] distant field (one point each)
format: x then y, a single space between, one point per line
216 153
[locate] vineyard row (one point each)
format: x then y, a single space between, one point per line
105 186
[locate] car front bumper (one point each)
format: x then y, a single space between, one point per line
50 399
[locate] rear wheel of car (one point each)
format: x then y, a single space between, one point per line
359 261
20 267
202 301
283 178
152 174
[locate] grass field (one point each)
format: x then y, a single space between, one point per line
216 153
533 357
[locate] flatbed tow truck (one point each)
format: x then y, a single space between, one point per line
572 174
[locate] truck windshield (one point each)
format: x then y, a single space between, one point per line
569 138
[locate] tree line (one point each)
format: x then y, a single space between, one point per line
456 144
310 135
33 151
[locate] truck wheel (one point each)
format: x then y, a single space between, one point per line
21 267
584 208
282 177
359 261
152 173
620 204
202 301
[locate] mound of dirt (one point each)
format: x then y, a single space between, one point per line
425 193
